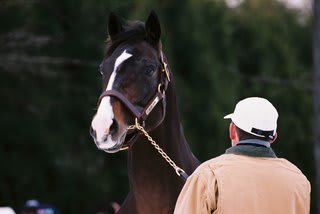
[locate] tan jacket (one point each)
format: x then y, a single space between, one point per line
239 184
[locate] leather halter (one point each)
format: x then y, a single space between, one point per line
140 113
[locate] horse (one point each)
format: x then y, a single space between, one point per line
137 111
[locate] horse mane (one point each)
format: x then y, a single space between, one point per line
133 31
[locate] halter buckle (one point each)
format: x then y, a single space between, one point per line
160 89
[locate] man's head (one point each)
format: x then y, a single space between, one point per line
253 118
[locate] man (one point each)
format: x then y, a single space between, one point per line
248 178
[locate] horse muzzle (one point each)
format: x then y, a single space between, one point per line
110 142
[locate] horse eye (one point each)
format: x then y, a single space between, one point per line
149 70
100 69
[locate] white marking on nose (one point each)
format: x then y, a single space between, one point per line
104 117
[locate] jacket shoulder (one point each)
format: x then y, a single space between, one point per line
211 164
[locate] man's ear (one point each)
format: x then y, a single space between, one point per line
274 138
114 26
233 134
153 28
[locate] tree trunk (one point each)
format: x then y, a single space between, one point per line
316 98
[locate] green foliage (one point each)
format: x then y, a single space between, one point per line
50 84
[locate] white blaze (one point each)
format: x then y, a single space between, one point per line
104 117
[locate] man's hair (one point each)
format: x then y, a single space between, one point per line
243 135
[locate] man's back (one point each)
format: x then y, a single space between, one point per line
259 185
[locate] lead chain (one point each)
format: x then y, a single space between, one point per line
178 170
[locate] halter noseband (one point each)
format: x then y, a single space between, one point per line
139 113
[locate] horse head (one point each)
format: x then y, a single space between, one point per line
135 77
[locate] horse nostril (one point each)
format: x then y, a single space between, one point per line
93 133
114 127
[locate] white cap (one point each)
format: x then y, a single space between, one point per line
256 116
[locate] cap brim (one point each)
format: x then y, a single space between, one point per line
229 116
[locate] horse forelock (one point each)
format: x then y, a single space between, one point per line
133 31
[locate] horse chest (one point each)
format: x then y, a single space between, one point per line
155 204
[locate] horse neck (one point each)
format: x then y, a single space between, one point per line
145 164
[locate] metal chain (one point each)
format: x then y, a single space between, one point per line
178 170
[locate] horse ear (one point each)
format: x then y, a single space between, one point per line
114 25
153 28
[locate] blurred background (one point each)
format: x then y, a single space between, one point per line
219 52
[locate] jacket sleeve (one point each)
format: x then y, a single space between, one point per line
198 194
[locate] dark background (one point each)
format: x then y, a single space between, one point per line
50 52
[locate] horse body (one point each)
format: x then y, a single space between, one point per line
133 66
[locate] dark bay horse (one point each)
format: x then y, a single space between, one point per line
138 92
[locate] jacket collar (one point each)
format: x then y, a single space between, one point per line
253 148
